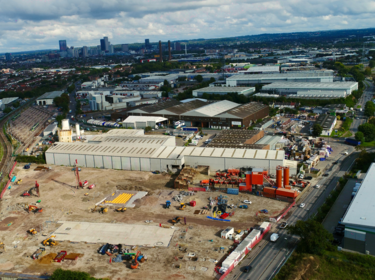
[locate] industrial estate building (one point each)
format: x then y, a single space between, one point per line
286 88
221 115
223 90
359 220
306 76
140 122
132 150
327 122
47 98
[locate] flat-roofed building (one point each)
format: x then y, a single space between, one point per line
224 91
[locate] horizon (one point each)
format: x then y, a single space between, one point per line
39 25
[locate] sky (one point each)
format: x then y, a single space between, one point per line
40 24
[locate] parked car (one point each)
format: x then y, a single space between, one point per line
302 205
317 186
326 174
309 178
274 237
247 268
283 225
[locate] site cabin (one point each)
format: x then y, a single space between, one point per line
229 231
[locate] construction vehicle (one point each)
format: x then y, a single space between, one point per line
32 191
27 166
182 206
35 209
167 204
134 264
176 220
19 181
2 247
60 256
100 209
32 231
38 253
243 206
49 242
120 209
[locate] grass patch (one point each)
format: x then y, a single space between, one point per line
368 144
331 265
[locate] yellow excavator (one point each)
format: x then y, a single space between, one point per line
2 247
100 209
49 242
120 209
182 206
176 220
32 231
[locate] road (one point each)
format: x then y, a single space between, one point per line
366 96
273 255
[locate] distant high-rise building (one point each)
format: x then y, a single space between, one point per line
160 52
62 44
169 50
70 52
177 46
125 47
102 45
111 49
76 53
8 56
107 43
85 51
147 44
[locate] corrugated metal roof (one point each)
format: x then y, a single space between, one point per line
212 109
133 119
336 85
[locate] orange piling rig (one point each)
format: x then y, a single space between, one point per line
37 188
286 176
279 176
76 171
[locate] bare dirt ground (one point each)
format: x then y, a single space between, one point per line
61 201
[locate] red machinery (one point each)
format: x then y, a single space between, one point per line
134 264
60 256
29 192
79 183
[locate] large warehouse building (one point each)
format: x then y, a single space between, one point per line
224 90
132 150
286 88
359 220
220 115
305 76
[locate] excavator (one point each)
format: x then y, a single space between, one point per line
35 209
120 209
176 220
134 264
99 209
49 242
182 206
32 231
2 247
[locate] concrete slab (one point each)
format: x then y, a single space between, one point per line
126 234
129 204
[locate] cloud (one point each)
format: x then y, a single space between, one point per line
39 24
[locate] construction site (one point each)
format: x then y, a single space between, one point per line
137 225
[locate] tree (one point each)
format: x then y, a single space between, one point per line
369 109
317 130
199 78
315 239
166 83
148 128
359 136
368 131
372 63
7 110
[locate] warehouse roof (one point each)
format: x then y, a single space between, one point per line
325 121
244 110
281 75
212 109
336 85
133 119
125 132
156 107
176 152
224 89
256 69
361 209
51 95
270 140
183 107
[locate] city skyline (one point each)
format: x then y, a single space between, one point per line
38 25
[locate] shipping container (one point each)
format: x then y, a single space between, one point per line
256 178
269 195
287 193
232 191
269 190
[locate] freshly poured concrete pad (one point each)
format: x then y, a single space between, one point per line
126 234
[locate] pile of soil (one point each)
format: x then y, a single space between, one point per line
47 259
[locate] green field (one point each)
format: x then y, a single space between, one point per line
331 265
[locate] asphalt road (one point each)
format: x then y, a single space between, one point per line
271 258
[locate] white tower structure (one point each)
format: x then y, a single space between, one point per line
66 133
